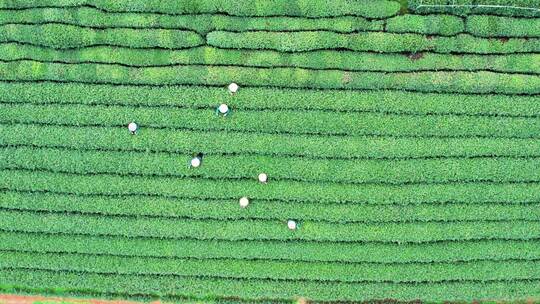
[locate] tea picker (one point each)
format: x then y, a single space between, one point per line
292 225
244 202
233 88
196 161
223 110
132 127
263 178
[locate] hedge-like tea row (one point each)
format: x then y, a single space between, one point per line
231 143
373 42
496 250
528 8
257 289
68 36
263 8
229 209
444 82
414 232
274 122
480 192
344 60
275 270
446 25
492 26
85 16
279 168
271 98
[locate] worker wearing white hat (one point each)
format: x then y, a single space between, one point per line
223 110
292 225
233 88
263 178
196 161
244 202
132 127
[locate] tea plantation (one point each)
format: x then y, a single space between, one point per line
401 146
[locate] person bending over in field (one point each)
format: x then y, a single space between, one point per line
223 110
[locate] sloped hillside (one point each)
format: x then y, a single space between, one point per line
402 151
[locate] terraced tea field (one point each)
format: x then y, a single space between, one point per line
402 150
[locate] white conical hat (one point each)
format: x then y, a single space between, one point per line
263 177
291 224
132 127
244 202
195 162
223 108
233 87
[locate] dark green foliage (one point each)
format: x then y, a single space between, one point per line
346 60
197 97
252 229
85 16
68 36
433 24
446 82
289 191
312 8
406 147
271 210
493 26
230 143
527 8
203 287
437 252
275 270
279 168
374 42
275 122
447 25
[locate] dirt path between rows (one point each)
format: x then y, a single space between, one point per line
16 299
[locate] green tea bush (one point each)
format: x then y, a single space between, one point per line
270 210
443 82
413 232
68 36
232 143
346 60
314 8
527 8
197 97
275 122
437 252
493 26
448 25
287 191
90 17
202 288
275 270
432 24
280 168
373 42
